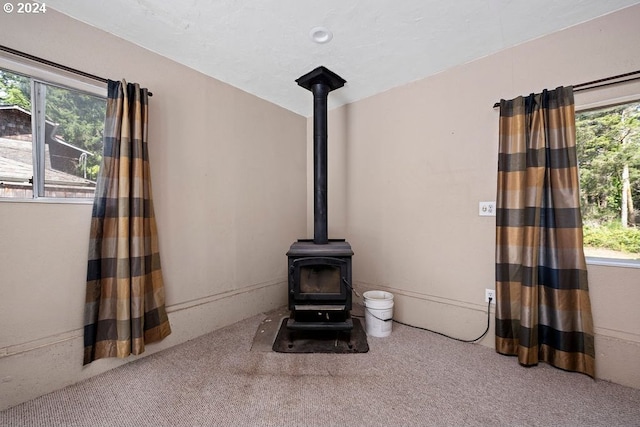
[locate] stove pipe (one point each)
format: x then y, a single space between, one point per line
320 82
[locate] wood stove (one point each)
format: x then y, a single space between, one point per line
320 269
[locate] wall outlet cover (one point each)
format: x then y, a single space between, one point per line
487 208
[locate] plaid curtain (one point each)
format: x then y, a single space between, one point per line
543 311
125 305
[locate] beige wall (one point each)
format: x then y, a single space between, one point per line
228 173
420 157
407 170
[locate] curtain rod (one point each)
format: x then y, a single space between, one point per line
607 81
56 65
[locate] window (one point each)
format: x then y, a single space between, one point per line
50 135
608 148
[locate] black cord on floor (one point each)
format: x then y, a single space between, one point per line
440 333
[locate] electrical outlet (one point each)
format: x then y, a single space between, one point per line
490 293
487 208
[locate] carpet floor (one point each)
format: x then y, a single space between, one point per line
411 378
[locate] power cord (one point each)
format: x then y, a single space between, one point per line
440 333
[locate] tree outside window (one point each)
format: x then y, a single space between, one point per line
608 148
63 159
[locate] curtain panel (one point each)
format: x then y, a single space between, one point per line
543 310
125 302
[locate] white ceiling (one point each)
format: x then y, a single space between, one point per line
262 46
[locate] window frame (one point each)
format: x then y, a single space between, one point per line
603 97
42 75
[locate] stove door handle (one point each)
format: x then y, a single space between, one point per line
344 279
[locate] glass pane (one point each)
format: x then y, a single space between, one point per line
608 147
16 146
73 142
320 279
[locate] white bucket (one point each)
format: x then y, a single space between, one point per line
378 312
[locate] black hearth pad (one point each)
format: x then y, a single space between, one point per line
290 341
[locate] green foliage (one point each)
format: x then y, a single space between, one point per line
15 90
612 236
79 117
607 140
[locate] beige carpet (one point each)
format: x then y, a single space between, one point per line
411 378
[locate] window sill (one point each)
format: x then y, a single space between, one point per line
613 262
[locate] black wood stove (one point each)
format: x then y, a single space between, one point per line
320 269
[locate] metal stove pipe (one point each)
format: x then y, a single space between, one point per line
320 82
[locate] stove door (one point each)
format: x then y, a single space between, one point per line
319 280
